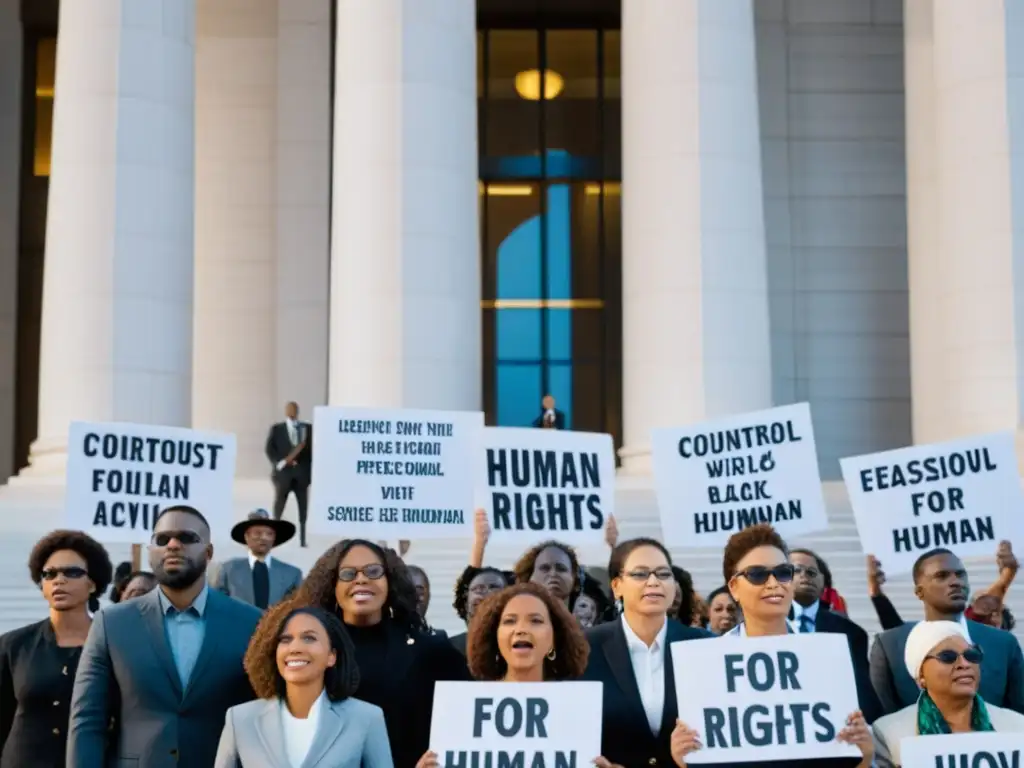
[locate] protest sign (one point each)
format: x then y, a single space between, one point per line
544 483
766 698
716 478
964 750
964 495
120 476
536 725
387 473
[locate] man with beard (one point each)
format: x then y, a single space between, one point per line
164 667
940 582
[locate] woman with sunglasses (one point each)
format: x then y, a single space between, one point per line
399 661
630 657
760 579
947 667
38 662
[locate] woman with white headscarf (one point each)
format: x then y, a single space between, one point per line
947 667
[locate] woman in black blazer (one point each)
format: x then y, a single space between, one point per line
630 656
38 662
371 590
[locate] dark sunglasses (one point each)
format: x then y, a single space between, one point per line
186 538
812 573
71 572
643 574
758 575
373 571
972 655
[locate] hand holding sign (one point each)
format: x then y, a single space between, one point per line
429 760
858 734
684 741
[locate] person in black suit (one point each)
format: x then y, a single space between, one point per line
38 662
940 582
290 451
809 614
399 659
631 654
550 417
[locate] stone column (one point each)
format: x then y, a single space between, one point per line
695 296
117 296
405 273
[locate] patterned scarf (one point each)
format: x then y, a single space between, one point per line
930 721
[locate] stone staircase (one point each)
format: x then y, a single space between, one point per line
29 510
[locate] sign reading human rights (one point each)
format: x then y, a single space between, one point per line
394 473
766 698
716 478
533 725
544 483
964 750
120 477
964 495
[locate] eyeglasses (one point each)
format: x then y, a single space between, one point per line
644 574
186 538
758 575
71 572
812 573
972 655
373 571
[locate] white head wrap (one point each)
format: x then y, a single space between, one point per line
922 641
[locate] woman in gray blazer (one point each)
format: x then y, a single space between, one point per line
305 716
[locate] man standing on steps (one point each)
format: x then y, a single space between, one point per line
289 449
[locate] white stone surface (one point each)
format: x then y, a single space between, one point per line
117 297
694 284
405 272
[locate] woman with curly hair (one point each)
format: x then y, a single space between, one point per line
38 662
472 587
399 661
301 665
555 567
523 634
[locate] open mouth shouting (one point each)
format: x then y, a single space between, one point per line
522 647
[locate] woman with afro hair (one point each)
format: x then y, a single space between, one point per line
399 660
38 662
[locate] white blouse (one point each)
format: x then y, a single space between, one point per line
298 733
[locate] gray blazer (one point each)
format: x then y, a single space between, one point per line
234 578
127 674
350 734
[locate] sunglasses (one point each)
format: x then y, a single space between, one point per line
71 572
186 538
644 574
758 575
373 572
972 655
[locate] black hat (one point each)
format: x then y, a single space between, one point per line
282 528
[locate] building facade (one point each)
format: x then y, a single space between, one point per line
658 211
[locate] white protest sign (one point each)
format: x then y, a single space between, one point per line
386 473
719 477
545 483
964 750
516 724
964 495
766 698
120 476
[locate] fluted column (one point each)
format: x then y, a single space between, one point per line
405 274
695 295
117 293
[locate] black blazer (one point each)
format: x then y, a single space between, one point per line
459 642
279 446
559 420
626 738
1002 671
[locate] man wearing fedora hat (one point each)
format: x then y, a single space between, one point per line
259 579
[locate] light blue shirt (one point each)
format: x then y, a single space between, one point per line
185 631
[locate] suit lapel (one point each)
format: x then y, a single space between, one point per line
271 733
216 626
670 712
328 731
152 617
401 652
241 575
278 579
616 653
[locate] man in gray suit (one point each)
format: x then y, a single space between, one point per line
259 579
940 582
165 667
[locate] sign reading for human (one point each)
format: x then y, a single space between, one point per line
394 473
121 476
963 495
518 725
964 750
717 478
544 483
766 698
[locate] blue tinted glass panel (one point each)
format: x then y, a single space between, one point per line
560 386
519 262
517 394
517 334
559 334
559 237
